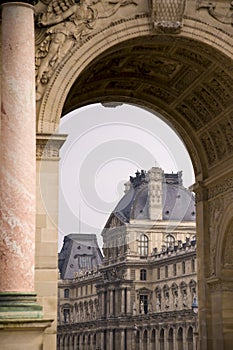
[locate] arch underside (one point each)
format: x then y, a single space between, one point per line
186 82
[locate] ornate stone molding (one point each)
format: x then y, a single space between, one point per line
221 188
29 2
222 13
48 146
167 15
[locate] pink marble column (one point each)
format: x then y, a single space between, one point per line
17 159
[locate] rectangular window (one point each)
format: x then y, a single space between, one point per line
183 267
166 271
174 270
158 273
193 265
66 293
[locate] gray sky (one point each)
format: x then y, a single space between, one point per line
104 147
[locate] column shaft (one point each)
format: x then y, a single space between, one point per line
17 162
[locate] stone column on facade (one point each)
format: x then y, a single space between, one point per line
17 181
122 339
128 296
110 339
122 301
110 291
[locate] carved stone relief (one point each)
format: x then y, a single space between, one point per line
215 213
67 23
219 10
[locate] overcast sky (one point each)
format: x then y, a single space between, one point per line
104 147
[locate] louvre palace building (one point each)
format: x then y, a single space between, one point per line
142 293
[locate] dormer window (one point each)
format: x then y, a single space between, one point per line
143 245
169 241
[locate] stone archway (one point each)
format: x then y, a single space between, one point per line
187 78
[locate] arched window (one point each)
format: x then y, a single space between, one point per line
94 341
190 338
153 339
170 339
144 340
161 339
143 275
137 340
66 293
169 241
180 339
143 245
89 342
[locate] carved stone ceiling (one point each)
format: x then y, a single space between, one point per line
189 83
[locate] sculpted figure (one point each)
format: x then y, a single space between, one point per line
68 21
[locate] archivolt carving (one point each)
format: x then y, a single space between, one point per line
68 23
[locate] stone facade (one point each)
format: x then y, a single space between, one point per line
142 295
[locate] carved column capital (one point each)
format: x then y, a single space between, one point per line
48 146
200 190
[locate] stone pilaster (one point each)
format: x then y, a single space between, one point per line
46 263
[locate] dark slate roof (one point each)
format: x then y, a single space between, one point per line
80 253
178 201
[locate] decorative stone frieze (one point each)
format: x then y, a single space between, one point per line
221 188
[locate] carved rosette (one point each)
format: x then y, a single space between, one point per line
167 15
48 146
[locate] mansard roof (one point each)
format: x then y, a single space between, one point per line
80 253
178 202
